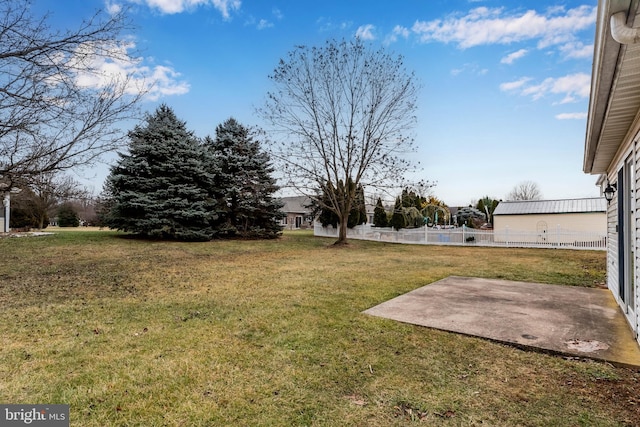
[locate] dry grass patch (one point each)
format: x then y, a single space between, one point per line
142 333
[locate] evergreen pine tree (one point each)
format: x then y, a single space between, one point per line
358 213
412 199
24 210
362 205
326 216
67 216
164 187
380 215
250 210
104 204
398 220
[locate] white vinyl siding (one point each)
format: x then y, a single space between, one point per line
612 250
636 221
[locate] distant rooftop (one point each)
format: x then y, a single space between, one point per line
524 207
296 204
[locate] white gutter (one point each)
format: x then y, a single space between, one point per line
621 32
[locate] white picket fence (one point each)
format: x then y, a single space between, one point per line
464 236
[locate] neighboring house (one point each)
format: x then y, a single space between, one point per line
370 212
612 145
298 215
564 220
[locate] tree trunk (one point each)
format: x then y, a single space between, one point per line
342 233
343 217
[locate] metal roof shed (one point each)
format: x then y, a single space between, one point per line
586 215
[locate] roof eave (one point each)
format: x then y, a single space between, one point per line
606 57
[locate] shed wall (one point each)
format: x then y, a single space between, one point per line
590 222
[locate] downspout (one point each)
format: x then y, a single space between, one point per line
621 32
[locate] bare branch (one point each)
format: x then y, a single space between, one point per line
50 119
526 190
341 114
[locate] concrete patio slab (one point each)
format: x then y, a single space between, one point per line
567 320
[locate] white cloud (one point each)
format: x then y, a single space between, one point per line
509 59
172 6
263 23
365 32
398 31
112 8
482 26
401 31
102 65
163 81
470 68
577 50
225 7
511 86
572 86
325 25
571 116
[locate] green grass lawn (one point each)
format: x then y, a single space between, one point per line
270 333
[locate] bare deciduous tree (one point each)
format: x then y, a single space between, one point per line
34 204
343 112
52 188
57 109
526 190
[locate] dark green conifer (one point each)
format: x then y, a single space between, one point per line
326 216
67 216
380 215
358 212
250 208
398 219
164 187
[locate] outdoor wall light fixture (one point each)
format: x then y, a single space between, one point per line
610 191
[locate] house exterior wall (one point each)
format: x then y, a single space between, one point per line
297 221
535 226
635 147
612 147
636 221
612 247
629 150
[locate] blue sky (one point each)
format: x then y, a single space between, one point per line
505 85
